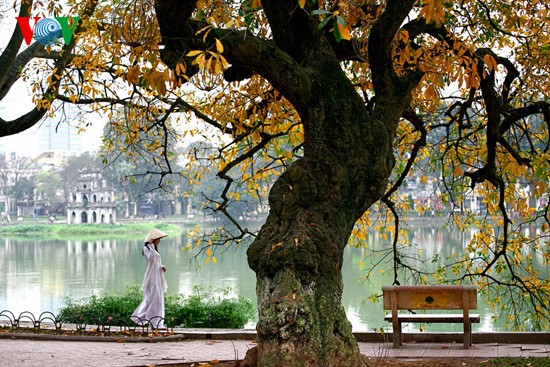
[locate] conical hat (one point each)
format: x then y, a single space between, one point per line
154 234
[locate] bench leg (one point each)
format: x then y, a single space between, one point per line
467 335
397 336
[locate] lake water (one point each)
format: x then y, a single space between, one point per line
37 275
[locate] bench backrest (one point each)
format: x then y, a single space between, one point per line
436 297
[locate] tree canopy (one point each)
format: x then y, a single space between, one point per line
341 104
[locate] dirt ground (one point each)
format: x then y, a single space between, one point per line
431 362
387 362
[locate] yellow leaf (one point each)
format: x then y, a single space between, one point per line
180 69
433 10
457 171
490 62
193 53
219 46
302 3
201 60
218 68
430 92
344 32
206 33
280 244
133 74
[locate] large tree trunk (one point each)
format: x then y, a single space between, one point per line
298 253
298 259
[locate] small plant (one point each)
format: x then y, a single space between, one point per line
516 362
381 353
203 308
215 309
102 309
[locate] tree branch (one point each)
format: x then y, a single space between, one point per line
30 118
10 53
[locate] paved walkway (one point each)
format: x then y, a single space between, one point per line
40 353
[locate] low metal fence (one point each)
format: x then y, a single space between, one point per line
47 321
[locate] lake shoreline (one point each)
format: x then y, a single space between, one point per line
28 227
64 231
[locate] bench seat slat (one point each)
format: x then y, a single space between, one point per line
441 318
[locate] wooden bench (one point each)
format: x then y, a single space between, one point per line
430 297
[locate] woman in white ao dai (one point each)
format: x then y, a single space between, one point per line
151 309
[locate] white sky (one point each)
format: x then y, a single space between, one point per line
18 101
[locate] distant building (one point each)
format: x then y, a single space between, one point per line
91 200
59 137
50 159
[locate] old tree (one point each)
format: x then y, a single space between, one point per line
339 103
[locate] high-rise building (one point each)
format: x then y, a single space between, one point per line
59 137
48 137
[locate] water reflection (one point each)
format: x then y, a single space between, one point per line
39 274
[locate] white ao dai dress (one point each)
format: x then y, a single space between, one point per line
154 285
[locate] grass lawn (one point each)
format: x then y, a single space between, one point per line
517 362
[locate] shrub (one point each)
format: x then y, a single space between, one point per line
215 309
97 309
203 308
